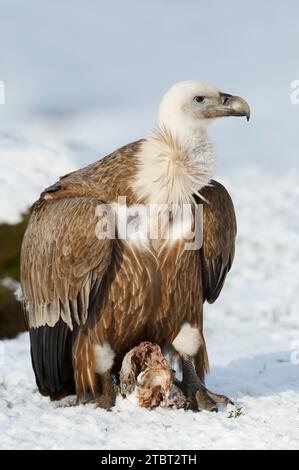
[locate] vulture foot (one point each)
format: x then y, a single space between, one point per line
198 396
221 399
106 402
108 396
207 400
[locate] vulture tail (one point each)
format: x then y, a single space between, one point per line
52 360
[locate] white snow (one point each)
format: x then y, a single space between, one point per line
71 98
26 169
252 336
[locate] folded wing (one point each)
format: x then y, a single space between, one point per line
219 233
62 261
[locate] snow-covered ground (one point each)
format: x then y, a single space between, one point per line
253 341
72 96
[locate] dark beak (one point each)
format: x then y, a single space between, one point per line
228 105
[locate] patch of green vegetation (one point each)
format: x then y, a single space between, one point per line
11 236
3 385
236 413
11 314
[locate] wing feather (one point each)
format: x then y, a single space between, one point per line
62 261
219 233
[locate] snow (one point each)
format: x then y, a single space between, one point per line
28 167
71 98
252 337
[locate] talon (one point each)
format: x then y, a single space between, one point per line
204 402
198 396
106 403
222 399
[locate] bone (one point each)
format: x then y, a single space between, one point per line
146 371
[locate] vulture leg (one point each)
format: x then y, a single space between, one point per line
194 389
91 386
107 399
84 368
198 396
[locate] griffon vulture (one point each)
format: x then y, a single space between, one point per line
90 298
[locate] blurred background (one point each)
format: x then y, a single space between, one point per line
85 77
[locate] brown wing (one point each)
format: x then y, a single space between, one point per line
219 233
62 261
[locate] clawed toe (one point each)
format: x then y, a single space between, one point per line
106 403
198 396
204 401
221 399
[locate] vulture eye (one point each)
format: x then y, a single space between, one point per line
199 99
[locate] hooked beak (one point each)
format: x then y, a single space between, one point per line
228 105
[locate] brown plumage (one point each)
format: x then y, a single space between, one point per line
90 300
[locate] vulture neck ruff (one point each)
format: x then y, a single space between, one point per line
171 171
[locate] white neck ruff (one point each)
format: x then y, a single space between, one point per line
171 172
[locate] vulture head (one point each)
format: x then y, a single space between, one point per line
177 159
189 106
